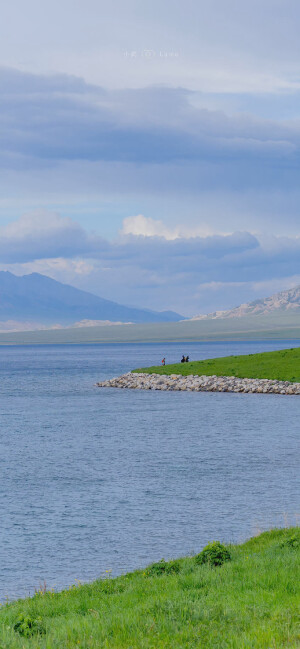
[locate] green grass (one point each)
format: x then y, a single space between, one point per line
250 602
282 365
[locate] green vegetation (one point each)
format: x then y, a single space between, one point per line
28 626
283 365
249 602
214 553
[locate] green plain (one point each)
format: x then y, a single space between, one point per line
250 602
283 365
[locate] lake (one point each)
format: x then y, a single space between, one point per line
100 479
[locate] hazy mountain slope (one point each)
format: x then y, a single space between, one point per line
279 326
37 298
283 301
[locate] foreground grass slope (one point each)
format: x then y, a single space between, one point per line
249 602
282 365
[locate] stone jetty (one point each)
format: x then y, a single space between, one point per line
191 383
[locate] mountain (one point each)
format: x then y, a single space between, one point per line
278 303
39 299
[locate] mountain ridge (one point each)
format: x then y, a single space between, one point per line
287 300
37 298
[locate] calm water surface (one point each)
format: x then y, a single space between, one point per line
92 479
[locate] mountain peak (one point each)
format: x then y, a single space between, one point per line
284 301
39 298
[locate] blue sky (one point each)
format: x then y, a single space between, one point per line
150 154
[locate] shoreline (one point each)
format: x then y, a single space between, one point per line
194 383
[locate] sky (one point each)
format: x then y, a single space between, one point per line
150 152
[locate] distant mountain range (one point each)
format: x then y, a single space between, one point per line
278 303
35 301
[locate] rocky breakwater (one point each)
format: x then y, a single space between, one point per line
173 382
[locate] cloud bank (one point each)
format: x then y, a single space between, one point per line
55 119
166 152
151 267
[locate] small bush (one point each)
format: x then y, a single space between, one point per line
292 541
163 567
28 626
214 553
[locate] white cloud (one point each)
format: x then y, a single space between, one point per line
56 267
43 234
40 224
147 227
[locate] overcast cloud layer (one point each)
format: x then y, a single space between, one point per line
153 149
219 46
104 155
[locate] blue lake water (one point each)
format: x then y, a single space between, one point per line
96 479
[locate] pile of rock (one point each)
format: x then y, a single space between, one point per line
136 381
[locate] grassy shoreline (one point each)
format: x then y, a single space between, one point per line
283 365
249 602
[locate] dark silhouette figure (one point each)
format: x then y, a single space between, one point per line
183 359
163 361
187 359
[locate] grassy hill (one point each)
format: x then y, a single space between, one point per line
283 365
250 602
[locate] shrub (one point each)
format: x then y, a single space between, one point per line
214 553
164 567
292 541
28 626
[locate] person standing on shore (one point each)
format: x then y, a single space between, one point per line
163 361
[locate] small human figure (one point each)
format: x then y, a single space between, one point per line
163 361
183 359
187 359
